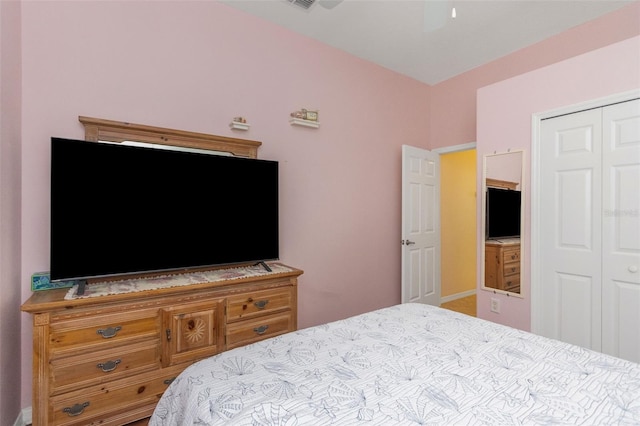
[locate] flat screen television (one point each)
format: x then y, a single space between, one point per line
118 209
502 213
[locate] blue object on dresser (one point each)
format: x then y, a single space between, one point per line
41 281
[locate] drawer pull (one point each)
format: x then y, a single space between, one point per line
76 410
169 381
109 332
260 304
261 330
109 365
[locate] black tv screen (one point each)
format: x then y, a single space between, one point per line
502 213
118 209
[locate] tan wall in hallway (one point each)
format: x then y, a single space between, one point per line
458 221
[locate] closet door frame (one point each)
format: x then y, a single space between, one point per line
536 291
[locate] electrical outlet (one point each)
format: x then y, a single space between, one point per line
495 305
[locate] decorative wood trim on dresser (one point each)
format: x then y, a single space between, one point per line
107 360
497 183
97 129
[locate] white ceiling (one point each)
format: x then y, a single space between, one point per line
399 34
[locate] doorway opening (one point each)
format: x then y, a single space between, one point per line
458 168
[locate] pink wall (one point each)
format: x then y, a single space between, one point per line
10 291
505 111
196 65
453 115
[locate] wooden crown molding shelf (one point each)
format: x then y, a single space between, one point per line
497 183
97 129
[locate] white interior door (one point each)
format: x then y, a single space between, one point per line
570 196
420 226
621 231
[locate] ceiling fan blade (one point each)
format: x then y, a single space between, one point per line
329 4
435 14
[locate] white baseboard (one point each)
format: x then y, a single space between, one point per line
24 418
456 296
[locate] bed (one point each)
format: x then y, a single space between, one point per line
406 364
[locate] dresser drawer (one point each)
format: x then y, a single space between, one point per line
245 332
256 303
78 371
93 404
511 269
511 256
100 332
511 282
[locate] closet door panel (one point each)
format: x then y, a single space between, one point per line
621 230
575 300
621 332
573 214
570 198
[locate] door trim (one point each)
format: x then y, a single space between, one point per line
537 296
455 148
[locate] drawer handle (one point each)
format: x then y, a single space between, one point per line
261 330
109 332
109 365
76 410
260 304
169 381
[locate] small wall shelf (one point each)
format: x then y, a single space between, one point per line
239 126
306 123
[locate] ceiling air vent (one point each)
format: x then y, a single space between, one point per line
305 4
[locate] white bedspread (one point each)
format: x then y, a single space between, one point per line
407 364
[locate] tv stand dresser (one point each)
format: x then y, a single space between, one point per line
107 360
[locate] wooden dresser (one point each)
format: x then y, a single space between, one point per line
502 265
107 360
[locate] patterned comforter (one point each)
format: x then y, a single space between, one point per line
407 364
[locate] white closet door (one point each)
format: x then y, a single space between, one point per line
621 231
570 196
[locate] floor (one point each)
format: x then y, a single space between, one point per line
465 305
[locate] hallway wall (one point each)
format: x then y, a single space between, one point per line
458 222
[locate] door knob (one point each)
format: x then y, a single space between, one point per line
633 268
408 242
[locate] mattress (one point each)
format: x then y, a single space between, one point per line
406 364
